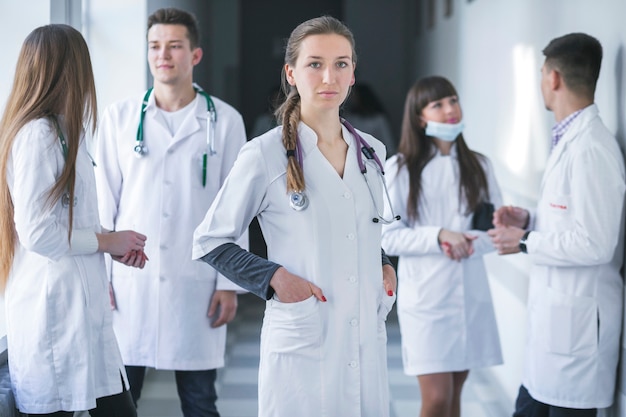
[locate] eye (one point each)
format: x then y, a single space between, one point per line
342 64
454 100
315 65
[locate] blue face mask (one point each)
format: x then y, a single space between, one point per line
444 131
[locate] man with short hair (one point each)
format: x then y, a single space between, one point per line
575 240
162 158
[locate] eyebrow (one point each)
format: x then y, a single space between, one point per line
319 57
170 41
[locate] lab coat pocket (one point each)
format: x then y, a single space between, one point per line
572 324
294 328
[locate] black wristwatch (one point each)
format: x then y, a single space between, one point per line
522 242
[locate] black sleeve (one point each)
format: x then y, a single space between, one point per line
385 258
245 269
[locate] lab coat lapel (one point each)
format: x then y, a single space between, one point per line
571 133
191 124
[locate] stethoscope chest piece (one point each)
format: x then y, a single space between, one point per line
298 200
65 200
140 149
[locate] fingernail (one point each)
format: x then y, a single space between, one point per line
390 293
323 298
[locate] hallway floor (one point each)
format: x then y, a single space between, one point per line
237 382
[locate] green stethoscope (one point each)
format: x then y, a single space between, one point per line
141 150
65 198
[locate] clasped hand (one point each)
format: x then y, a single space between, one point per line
456 245
509 225
125 247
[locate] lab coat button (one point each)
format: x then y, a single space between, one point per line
346 195
352 364
352 279
350 236
165 215
354 322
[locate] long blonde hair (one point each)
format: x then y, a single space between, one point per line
288 113
53 76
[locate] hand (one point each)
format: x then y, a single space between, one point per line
132 258
390 281
223 307
120 243
291 288
506 239
511 216
455 245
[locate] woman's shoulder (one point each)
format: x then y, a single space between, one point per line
268 146
37 131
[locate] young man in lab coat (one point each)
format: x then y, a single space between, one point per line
159 173
575 240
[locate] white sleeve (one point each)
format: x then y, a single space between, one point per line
400 238
234 139
41 227
597 200
239 200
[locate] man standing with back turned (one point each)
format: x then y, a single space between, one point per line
575 241
161 162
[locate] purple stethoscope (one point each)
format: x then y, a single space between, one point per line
299 201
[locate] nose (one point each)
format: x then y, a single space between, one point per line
328 75
163 52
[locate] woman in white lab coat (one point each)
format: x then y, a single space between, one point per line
63 356
323 342
436 184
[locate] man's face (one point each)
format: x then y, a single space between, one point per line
170 55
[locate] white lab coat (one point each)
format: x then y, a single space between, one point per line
62 350
445 310
317 359
161 318
575 293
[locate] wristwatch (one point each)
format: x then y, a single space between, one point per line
522 242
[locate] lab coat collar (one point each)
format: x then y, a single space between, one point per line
453 151
191 124
308 137
586 115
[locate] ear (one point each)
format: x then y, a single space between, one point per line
196 56
353 80
555 80
289 75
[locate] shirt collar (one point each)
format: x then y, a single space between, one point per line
560 128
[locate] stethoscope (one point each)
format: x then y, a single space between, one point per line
65 198
141 150
298 200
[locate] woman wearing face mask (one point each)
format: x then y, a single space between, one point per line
436 183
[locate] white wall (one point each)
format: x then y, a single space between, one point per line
115 31
491 50
15 25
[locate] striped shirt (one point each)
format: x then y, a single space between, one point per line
560 128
